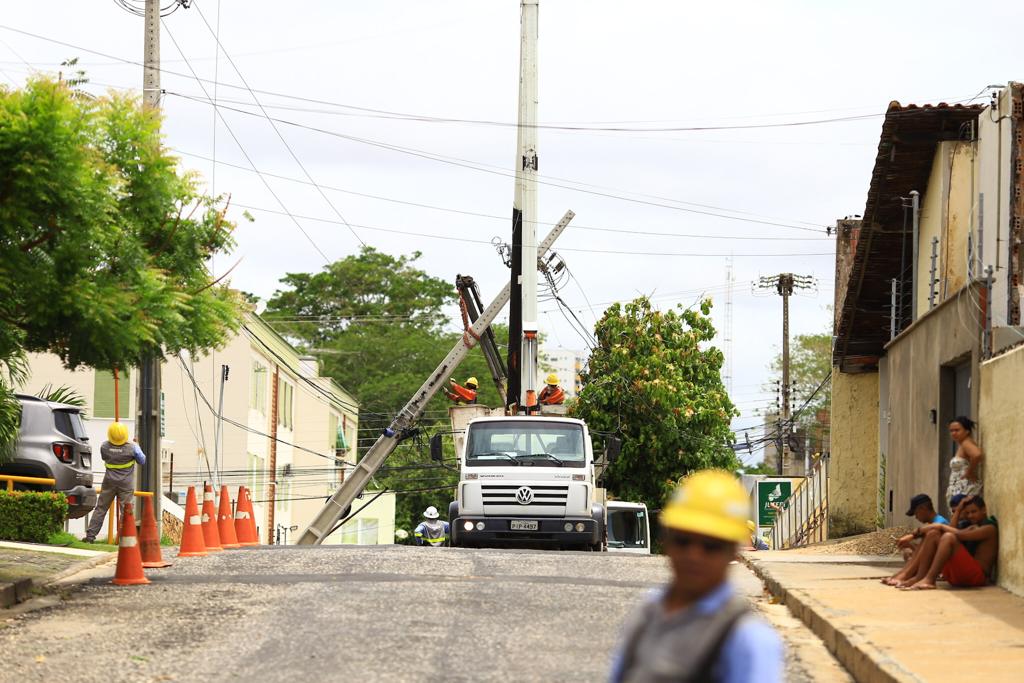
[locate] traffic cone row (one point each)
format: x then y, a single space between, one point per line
201 533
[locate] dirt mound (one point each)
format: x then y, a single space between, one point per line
881 542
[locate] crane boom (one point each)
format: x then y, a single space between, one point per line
401 427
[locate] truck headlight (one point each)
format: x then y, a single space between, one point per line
580 526
568 526
468 526
479 526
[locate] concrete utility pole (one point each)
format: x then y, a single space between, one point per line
784 284
147 423
523 390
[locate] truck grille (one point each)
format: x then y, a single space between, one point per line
543 495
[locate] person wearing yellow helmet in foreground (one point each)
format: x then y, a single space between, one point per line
119 458
697 628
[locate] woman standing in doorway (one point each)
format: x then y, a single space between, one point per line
965 467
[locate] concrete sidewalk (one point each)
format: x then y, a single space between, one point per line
880 633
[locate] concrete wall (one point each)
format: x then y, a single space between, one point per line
1001 433
854 447
993 197
919 363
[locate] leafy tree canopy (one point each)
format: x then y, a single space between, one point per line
654 380
103 240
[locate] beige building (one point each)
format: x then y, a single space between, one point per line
927 316
287 433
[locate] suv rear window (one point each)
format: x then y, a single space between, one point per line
69 423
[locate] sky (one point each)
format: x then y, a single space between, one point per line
735 131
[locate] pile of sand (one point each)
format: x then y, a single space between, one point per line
881 542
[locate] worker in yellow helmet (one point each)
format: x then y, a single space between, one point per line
119 458
551 394
463 395
697 628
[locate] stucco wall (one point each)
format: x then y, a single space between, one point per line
854 447
1001 433
917 362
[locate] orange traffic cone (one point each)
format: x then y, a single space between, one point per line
211 536
226 522
129 561
149 538
245 525
192 544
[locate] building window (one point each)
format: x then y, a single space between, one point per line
285 397
103 396
258 392
257 477
360 531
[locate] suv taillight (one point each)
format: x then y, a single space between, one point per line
64 452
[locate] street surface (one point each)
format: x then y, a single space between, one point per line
338 613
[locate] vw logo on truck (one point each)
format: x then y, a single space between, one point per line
524 495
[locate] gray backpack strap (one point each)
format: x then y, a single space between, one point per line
733 611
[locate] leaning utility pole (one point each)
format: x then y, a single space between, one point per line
784 284
522 348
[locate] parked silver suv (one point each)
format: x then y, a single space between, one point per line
52 443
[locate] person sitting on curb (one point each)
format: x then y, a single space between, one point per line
922 509
966 557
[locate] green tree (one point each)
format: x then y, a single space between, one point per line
654 380
379 323
810 363
103 240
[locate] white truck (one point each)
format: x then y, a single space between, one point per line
526 480
629 527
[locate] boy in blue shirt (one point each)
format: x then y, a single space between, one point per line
923 510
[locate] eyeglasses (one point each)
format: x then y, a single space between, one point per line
708 545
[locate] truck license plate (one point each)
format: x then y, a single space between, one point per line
523 525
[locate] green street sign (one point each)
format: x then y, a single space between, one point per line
771 493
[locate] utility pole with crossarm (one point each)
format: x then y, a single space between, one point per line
784 284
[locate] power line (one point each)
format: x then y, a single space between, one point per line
244 152
274 126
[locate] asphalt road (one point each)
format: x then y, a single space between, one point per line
342 613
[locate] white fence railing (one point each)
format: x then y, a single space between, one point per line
803 519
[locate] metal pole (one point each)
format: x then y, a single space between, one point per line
785 289
932 280
526 195
915 207
892 309
981 231
986 350
219 432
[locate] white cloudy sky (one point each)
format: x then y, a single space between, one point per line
640 65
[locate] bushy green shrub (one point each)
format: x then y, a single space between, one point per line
31 515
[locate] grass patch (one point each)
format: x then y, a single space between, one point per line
63 538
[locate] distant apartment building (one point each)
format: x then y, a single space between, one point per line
287 433
568 364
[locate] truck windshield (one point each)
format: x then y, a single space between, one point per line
531 443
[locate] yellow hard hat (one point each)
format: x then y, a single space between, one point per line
552 379
471 382
751 525
712 503
117 434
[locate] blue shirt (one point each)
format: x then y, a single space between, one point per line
939 519
752 653
140 457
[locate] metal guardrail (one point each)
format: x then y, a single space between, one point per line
803 519
13 479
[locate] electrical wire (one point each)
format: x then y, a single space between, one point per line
241 148
291 151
